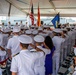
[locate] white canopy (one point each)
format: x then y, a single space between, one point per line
66 8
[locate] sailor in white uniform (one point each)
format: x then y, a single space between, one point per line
21 25
57 40
13 43
0 71
3 27
2 52
65 44
70 39
6 36
9 25
24 62
29 33
40 69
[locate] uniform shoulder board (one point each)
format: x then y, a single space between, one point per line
32 51
15 54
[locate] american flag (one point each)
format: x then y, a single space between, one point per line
32 15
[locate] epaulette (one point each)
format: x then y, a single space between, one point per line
15 54
33 51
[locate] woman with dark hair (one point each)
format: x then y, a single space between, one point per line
48 61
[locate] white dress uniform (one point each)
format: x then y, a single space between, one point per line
2 53
20 25
5 40
39 65
73 37
65 46
40 69
56 57
0 71
73 41
14 45
1 39
3 28
70 41
9 26
23 63
74 72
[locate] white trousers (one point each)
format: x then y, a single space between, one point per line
40 70
56 60
0 71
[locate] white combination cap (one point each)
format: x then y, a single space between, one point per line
16 29
40 28
46 26
57 30
64 29
43 34
32 26
67 27
32 30
25 39
28 32
35 32
39 38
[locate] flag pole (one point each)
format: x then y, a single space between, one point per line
38 22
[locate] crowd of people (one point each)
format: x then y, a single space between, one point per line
35 50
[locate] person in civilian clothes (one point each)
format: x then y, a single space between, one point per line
48 60
24 62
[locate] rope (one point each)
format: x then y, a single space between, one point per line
3 61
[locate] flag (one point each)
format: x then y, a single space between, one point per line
56 20
38 22
32 15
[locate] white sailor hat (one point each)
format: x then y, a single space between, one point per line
40 28
35 32
64 29
25 39
57 30
31 30
32 26
47 31
67 27
43 34
28 32
16 29
7 30
46 26
39 38
72 26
